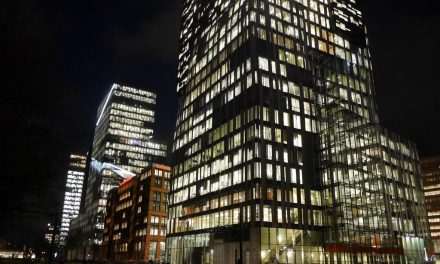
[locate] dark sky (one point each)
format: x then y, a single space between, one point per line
59 58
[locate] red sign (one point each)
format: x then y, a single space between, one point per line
125 181
162 167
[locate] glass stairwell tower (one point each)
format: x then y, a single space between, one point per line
278 155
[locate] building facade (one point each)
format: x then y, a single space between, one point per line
135 224
431 184
72 196
278 154
123 146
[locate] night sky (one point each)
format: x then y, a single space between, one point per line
59 59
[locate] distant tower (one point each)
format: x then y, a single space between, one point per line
72 196
122 146
278 154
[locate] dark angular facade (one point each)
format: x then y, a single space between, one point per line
278 154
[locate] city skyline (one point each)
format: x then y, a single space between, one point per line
88 95
123 146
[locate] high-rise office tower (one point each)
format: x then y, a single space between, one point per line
278 155
123 146
431 183
72 196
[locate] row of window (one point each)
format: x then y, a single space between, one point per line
132 109
145 99
124 116
251 133
232 217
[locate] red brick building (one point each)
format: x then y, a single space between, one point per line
135 224
431 184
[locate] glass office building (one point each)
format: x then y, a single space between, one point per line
72 196
123 146
278 154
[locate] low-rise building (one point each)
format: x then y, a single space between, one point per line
135 224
